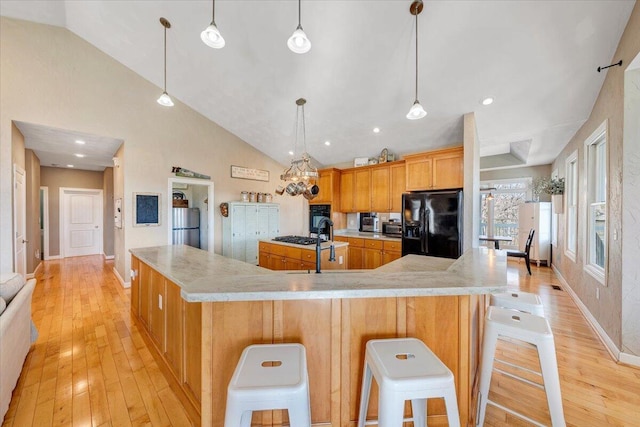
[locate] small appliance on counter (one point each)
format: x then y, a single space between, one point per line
392 228
368 222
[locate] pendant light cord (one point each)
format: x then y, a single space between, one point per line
416 98
165 58
213 11
299 15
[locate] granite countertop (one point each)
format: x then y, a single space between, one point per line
366 235
204 276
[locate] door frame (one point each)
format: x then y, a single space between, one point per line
45 222
210 208
61 222
23 196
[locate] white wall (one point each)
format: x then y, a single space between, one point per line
50 76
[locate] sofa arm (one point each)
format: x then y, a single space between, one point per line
15 342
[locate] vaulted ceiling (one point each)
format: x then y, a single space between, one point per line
537 59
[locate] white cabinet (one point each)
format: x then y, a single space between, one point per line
536 215
245 225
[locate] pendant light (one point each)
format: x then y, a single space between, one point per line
296 178
298 42
416 111
165 99
211 35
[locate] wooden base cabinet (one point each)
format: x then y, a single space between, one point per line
210 336
281 257
370 253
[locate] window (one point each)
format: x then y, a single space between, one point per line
499 216
596 224
571 227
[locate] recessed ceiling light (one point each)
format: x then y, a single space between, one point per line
69 166
291 153
487 101
376 130
79 155
327 143
79 141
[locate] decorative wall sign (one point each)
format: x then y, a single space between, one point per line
249 173
146 209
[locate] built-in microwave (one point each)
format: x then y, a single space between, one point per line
315 213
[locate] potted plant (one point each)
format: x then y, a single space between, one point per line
555 187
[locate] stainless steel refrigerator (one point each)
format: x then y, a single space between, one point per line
186 226
432 223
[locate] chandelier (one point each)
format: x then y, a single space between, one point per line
300 177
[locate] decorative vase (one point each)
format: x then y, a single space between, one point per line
558 203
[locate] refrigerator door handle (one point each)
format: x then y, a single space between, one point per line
424 230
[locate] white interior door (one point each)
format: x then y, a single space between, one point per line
19 220
81 222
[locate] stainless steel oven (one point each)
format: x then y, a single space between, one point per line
315 213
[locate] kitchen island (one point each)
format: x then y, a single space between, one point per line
200 310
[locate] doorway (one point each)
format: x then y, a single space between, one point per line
44 223
80 222
202 197
19 220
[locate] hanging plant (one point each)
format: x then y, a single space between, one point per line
555 186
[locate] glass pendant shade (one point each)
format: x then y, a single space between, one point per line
211 36
416 112
298 42
165 100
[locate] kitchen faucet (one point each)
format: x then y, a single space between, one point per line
332 250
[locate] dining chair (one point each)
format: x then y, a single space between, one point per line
527 249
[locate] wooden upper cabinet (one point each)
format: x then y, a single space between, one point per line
362 190
397 186
346 187
435 170
418 172
329 184
448 169
380 189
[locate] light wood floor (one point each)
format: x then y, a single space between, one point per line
90 366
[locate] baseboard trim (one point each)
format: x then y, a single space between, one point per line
35 271
108 256
120 279
630 359
51 257
612 349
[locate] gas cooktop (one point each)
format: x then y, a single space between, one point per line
298 240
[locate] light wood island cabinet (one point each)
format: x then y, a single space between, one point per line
369 253
277 256
210 316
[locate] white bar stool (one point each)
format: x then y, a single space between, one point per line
406 369
269 376
502 322
521 301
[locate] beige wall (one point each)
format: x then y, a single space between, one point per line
107 215
54 179
41 65
34 247
608 106
523 172
17 147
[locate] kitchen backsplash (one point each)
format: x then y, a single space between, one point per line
353 219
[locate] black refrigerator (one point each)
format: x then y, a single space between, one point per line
432 223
